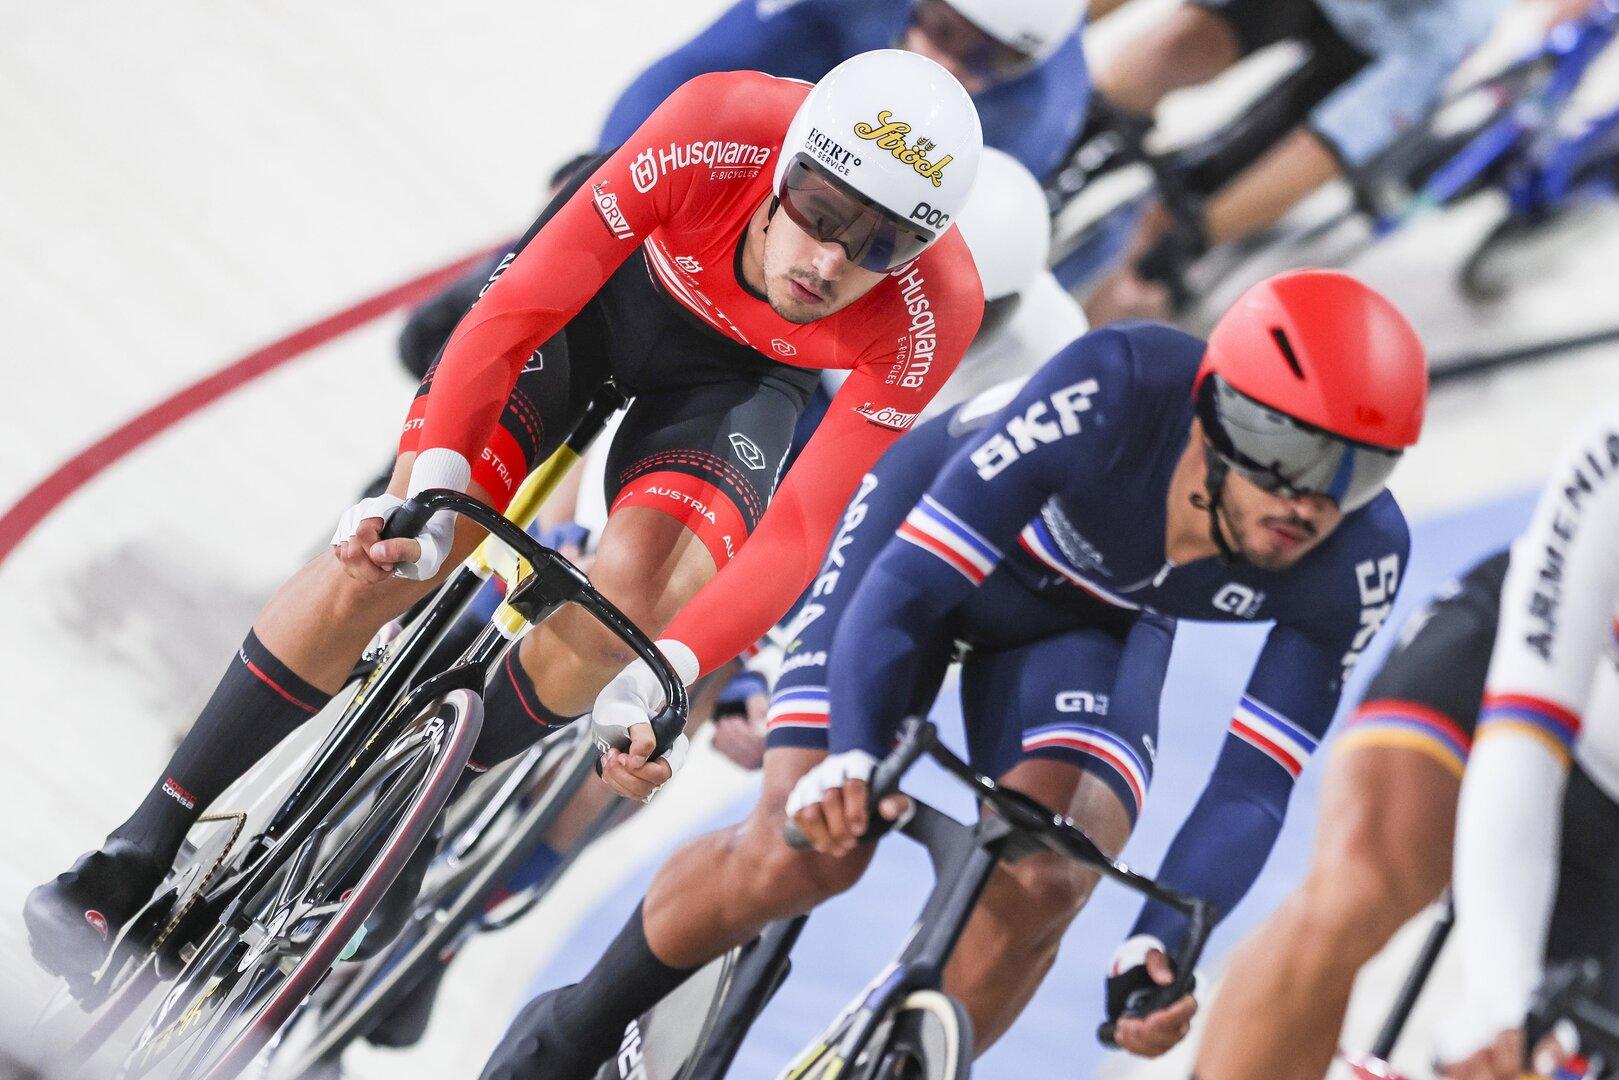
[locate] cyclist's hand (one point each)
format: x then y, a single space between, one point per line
367 557
1499 1059
829 802
632 775
740 719
1140 963
621 718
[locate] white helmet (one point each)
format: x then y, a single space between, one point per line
1006 225
898 131
1036 28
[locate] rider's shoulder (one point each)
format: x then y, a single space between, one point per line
1140 359
740 102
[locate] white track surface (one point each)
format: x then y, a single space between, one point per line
185 182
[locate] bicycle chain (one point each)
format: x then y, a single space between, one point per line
202 886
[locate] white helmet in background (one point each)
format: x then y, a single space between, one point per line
1036 28
1006 225
898 132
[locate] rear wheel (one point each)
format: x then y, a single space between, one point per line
239 986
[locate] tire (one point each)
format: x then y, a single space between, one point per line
928 1036
351 1007
238 989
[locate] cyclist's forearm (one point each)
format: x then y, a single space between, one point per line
1508 826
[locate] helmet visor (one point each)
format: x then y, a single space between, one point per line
1287 457
980 53
835 213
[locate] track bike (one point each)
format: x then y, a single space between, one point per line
902 1026
248 924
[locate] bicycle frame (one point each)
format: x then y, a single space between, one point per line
963 859
1536 155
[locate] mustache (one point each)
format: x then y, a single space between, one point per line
1294 522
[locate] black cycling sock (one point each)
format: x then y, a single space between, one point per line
627 981
514 718
258 701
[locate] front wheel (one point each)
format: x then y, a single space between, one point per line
927 1036
238 987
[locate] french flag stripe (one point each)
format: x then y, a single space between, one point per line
1272 735
1034 540
1102 745
799 706
930 528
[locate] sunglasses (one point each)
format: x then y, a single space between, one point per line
952 32
835 213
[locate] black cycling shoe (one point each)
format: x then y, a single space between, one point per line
393 911
406 1023
74 919
536 1044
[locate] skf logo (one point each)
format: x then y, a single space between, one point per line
689 264
889 134
1378 582
1239 600
783 348
886 416
928 214
747 451
1081 701
612 216
1028 432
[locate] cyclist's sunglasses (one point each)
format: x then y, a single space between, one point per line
1286 457
952 32
835 213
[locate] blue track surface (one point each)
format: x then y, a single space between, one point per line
850 938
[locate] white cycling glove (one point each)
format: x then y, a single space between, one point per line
435 468
831 773
635 696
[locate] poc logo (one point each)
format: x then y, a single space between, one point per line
1238 600
930 215
1034 427
1072 701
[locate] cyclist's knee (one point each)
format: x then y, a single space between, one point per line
1046 891
1365 883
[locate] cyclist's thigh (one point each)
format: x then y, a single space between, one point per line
1087 698
798 707
1390 95
1585 919
1258 23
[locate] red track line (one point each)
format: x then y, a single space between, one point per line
27 512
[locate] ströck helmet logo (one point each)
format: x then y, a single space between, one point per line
890 134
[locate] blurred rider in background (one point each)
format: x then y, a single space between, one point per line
1374 68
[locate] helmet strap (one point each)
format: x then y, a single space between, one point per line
1214 483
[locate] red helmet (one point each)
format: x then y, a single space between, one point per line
1318 383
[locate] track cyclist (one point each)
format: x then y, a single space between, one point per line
1383 847
1139 476
1542 783
1019 59
1374 68
753 231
